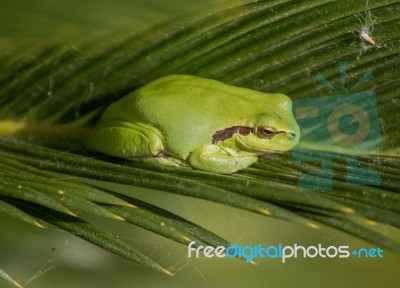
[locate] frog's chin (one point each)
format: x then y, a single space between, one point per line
260 150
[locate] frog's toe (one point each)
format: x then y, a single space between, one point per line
163 159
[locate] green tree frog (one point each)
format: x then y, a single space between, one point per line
183 120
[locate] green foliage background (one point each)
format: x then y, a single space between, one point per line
104 50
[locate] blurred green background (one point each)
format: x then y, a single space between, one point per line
50 258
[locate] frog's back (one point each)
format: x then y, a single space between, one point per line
188 110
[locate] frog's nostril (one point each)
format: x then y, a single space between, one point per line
292 134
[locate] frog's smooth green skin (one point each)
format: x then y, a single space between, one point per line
184 120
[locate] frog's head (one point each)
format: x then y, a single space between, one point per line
273 131
264 138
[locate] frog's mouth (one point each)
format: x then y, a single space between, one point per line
283 141
259 150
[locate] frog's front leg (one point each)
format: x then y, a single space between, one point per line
219 160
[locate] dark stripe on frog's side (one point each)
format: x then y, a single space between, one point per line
226 133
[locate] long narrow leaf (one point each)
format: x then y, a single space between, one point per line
19 214
92 234
5 276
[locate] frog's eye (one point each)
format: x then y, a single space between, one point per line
266 132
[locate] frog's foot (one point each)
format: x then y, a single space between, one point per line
219 160
163 159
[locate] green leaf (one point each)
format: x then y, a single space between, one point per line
39 177
92 234
19 214
167 224
5 276
99 170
